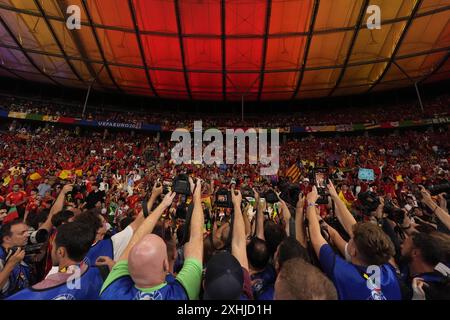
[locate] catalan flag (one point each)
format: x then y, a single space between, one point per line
293 172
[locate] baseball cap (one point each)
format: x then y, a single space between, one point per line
224 278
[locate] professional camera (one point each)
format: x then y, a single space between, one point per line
247 192
181 185
78 188
271 196
440 188
395 214
290 193
223 198
36 240
369 202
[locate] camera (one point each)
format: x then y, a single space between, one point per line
247 192
369 202
223 198
320 179
181 185
395 214
440 188
78 188
36 240
271 196
290 193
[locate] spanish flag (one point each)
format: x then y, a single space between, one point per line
293 172
35 176
64 174
79 172
6 181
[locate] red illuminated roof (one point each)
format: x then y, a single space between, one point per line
221 50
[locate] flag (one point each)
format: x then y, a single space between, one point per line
6 181
64 174
12 215
293 172
35 176
79 172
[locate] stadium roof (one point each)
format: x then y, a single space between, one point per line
221 50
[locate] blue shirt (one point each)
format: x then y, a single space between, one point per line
101 248
88 289
350 281
18 279
263 284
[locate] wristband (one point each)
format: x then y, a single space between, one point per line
311 204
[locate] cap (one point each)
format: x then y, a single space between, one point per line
224 278
306 180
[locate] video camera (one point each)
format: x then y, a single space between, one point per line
181 185
36 240
369 202
223 198
395 214
247 192
271 196
290 193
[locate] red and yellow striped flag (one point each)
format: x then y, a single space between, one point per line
293 172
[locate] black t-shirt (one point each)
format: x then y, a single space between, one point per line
94 197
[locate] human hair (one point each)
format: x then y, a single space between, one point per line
90 218
61 217
374 246
5 230
290 248
434 247
300 280
274 234
76 238
258 253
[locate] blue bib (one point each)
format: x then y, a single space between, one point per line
89 289
19 278
101 248
124 289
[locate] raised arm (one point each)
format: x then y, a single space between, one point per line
299 220
149 223
57 206
156 192
194 247
238 242
260 207
440 213
286 214
317 239
344 216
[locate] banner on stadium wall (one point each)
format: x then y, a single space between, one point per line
156 127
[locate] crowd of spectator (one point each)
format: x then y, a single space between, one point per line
309 116
108 205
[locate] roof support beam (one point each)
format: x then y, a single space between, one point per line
183 56
11 34
264 51
398 45
315 10
99 46
358 27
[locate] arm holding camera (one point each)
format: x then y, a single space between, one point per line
239 241
286 215
440 213
57 206
344 216
317 239
149 223
260 207
194 247
299 220
9 266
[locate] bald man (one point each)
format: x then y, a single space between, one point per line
140 273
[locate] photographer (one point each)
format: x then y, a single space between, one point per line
421 253
141 271
14 271
227 276
75 280
439 210
365 273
